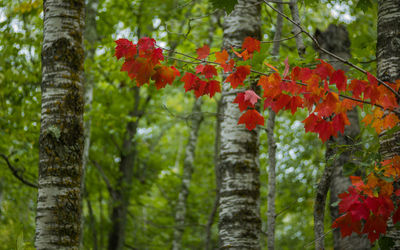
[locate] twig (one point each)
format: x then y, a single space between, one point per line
106 180
328 52
15 172
281 40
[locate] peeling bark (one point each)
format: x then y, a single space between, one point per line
388 63
239 214
188 168
61 139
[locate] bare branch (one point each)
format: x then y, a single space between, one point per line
16 173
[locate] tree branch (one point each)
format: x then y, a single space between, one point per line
328 52
16 173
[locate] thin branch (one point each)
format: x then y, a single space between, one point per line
106 180
16 173
328 52
281 40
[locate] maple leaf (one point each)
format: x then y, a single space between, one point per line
374 226
339 122
372 79
221 57
203 52
251 44
209 71
125 48
294 103
338 77
228 67
146 44
346 225
251 118
251 96
212 87
246 99
348 199
199 68
329 105
357 87
270 85
324 69
190 80
164 75
140 69
238 76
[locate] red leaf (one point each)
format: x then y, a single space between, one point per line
212 87
295 102
324 69
238 76
246 99
372 79
339 78
251 44
164 75
346 225
251 118
146 44
339 122
190 80
358 87
228 67
209 71
125 48
374 226
199 68
203 52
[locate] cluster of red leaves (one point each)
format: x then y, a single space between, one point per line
367 206
142 62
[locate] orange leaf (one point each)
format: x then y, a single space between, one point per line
221 57
238 76
251 44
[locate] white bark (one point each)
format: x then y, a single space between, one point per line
239 214
61 134
388 57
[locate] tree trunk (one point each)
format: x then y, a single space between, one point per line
61 132
388 57
188 167
336 40
121 192
239 214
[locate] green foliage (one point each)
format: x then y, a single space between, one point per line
227 5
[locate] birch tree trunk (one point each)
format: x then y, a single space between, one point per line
388 56
336 40
239 214
188 167
61 132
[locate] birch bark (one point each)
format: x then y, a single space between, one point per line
61 132
388 57
239 214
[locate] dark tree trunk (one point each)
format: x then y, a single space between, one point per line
336 40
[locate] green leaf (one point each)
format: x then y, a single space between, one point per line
349 168
227 5
386 243
364 5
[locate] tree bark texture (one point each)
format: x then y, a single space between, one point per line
61 132
336 40
188 168
294 10
239 214
388 63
